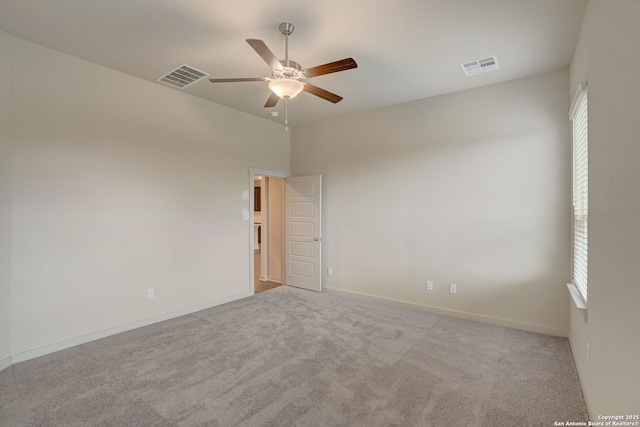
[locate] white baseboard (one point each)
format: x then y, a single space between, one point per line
460 314
6 362
62 345
52 348
275 279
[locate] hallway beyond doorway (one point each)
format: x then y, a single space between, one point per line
260 285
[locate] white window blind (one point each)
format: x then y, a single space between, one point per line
579 117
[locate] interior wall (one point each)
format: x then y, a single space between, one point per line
470 188
606 57
276 227
119 186
5 198
264 216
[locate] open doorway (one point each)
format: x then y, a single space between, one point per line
268 231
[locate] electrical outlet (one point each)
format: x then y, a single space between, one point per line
330 271
149 293
429 285
452 288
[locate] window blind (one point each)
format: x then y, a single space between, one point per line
579 117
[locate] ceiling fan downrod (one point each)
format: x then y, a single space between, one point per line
286 28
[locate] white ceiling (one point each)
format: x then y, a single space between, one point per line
405 49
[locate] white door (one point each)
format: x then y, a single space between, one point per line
303 232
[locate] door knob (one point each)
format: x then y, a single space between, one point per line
315 239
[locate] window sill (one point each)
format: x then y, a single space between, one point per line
580 303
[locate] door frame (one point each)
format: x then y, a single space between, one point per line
266 173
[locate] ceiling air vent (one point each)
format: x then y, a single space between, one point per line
182 76
480 65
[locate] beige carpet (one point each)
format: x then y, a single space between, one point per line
289 357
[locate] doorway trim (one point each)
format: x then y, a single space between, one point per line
252 174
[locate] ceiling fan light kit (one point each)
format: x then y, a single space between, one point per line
286 88
288 78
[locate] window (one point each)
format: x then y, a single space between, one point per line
579 117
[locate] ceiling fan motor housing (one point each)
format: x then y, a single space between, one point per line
290 70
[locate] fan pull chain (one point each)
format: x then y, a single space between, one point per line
286 115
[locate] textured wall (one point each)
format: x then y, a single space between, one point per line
607 58
471 188
5 196
121 185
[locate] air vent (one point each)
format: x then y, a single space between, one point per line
182 76
480 66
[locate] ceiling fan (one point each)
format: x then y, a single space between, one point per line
287 77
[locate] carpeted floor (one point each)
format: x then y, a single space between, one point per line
289 357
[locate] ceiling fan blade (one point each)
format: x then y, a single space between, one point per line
264 52
332 67
272 101
324 94
241 79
